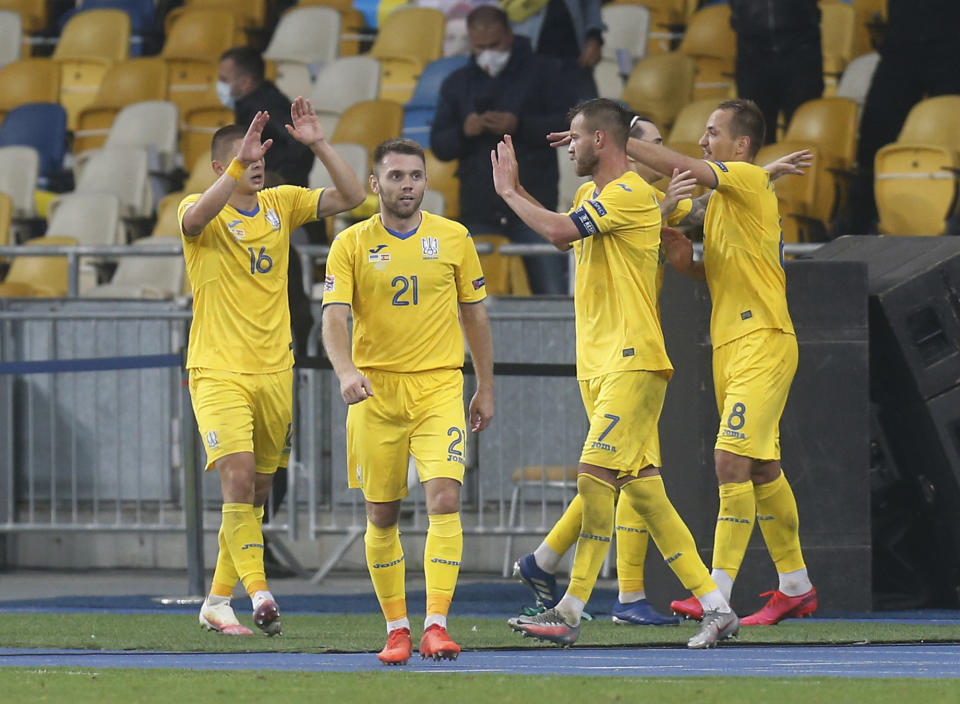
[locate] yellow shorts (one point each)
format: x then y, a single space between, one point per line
751 378
419 414
244 413
624 410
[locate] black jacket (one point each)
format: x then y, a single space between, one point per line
286 157
775 25
532 88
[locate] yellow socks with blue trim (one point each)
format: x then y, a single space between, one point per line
244 541
734 526
780 524
225 575
592 545
387 572
561 537
442 553
632 542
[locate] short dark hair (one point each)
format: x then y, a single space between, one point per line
397 145
248 60
223 138
746 121
607 115
637 129
488 14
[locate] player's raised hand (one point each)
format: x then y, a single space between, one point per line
681 185
481 410
793 163
251 149
559 139
306 127
355 387
506 172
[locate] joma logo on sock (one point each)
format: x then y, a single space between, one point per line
453 563
765 518
252 545
378 565
590 536
631 529
673 557
733 519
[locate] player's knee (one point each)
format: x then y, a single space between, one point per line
731 467
442 496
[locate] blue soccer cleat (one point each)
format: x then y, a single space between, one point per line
543 584
641 613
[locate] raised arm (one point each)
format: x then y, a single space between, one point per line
212 200
476 328
347 191
793 163
354 386
664 160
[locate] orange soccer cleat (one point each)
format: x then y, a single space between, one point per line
437 644
398 649
781 606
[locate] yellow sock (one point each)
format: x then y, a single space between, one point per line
225 574
734 526
632 540
442 553
387 571
565 531
241 532
780 523
595 535
669 532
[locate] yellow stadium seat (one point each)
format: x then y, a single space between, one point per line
409 39
38 277
659 86
558 478
797 195
368 123
836 39
689 127
250 14
192 53
28 81
934 121
91 43
916 188
442 177
495 266
352 23
200 179
132 81
33 13
197 128
711 43
6 215
667 18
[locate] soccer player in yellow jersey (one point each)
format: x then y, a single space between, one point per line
236 243
754 351
622 366
411 279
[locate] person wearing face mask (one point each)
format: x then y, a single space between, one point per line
504 89
241 87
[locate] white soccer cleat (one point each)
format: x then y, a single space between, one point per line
220 618
715 627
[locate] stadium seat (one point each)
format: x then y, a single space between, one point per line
667 19
192 53
91 42
711 43
42 126
433 202
409 39
305 35
627 27
342 83
357 158
369 122
836 39
150 125
354 29
248 14
154 277
659 86
197 130
33 13
125 83
855 81
495 266
89 218
11 37
916 188
28 81
38 277
6 216
442 177
418 113
606 74
122 171
934 121
200 179
19 169
687 130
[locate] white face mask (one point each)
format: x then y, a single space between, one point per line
493 61
223 95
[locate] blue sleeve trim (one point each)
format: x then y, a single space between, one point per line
584 222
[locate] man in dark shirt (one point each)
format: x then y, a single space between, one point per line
504 89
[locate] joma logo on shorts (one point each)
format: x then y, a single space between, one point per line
603 446
455 458
252 545
733 434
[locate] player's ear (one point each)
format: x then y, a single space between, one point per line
374 184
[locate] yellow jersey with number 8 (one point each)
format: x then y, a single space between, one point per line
237 267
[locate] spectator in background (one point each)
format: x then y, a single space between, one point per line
504 89
779 59
918 58
570 30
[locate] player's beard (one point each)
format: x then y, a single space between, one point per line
402 209
585 163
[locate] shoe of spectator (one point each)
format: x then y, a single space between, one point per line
549 626
437 644
688 608
781 606
267 618
220 618
543 584
398 649
714 628
641 613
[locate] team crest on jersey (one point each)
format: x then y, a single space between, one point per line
238 232
273 219
212 439
430 247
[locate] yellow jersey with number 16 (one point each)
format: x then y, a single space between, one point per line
237 267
